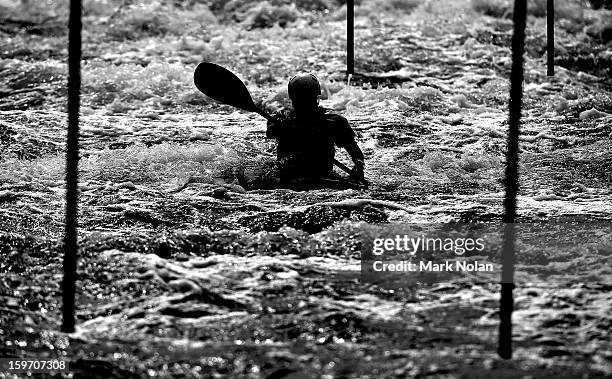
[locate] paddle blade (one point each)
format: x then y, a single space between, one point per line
222 85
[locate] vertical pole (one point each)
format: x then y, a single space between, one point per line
72 161
350 37
508 255
550 36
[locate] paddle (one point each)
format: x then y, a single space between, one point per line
222 85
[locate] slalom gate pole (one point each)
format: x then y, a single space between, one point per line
550 37
350 37
508 253
72 161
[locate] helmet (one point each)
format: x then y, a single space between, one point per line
304 85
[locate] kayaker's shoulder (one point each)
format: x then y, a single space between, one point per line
284 114
332 117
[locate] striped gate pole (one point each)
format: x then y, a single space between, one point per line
508 254
72 161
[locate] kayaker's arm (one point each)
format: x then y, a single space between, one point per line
355 152
273 129
358 159
345 138
275 126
